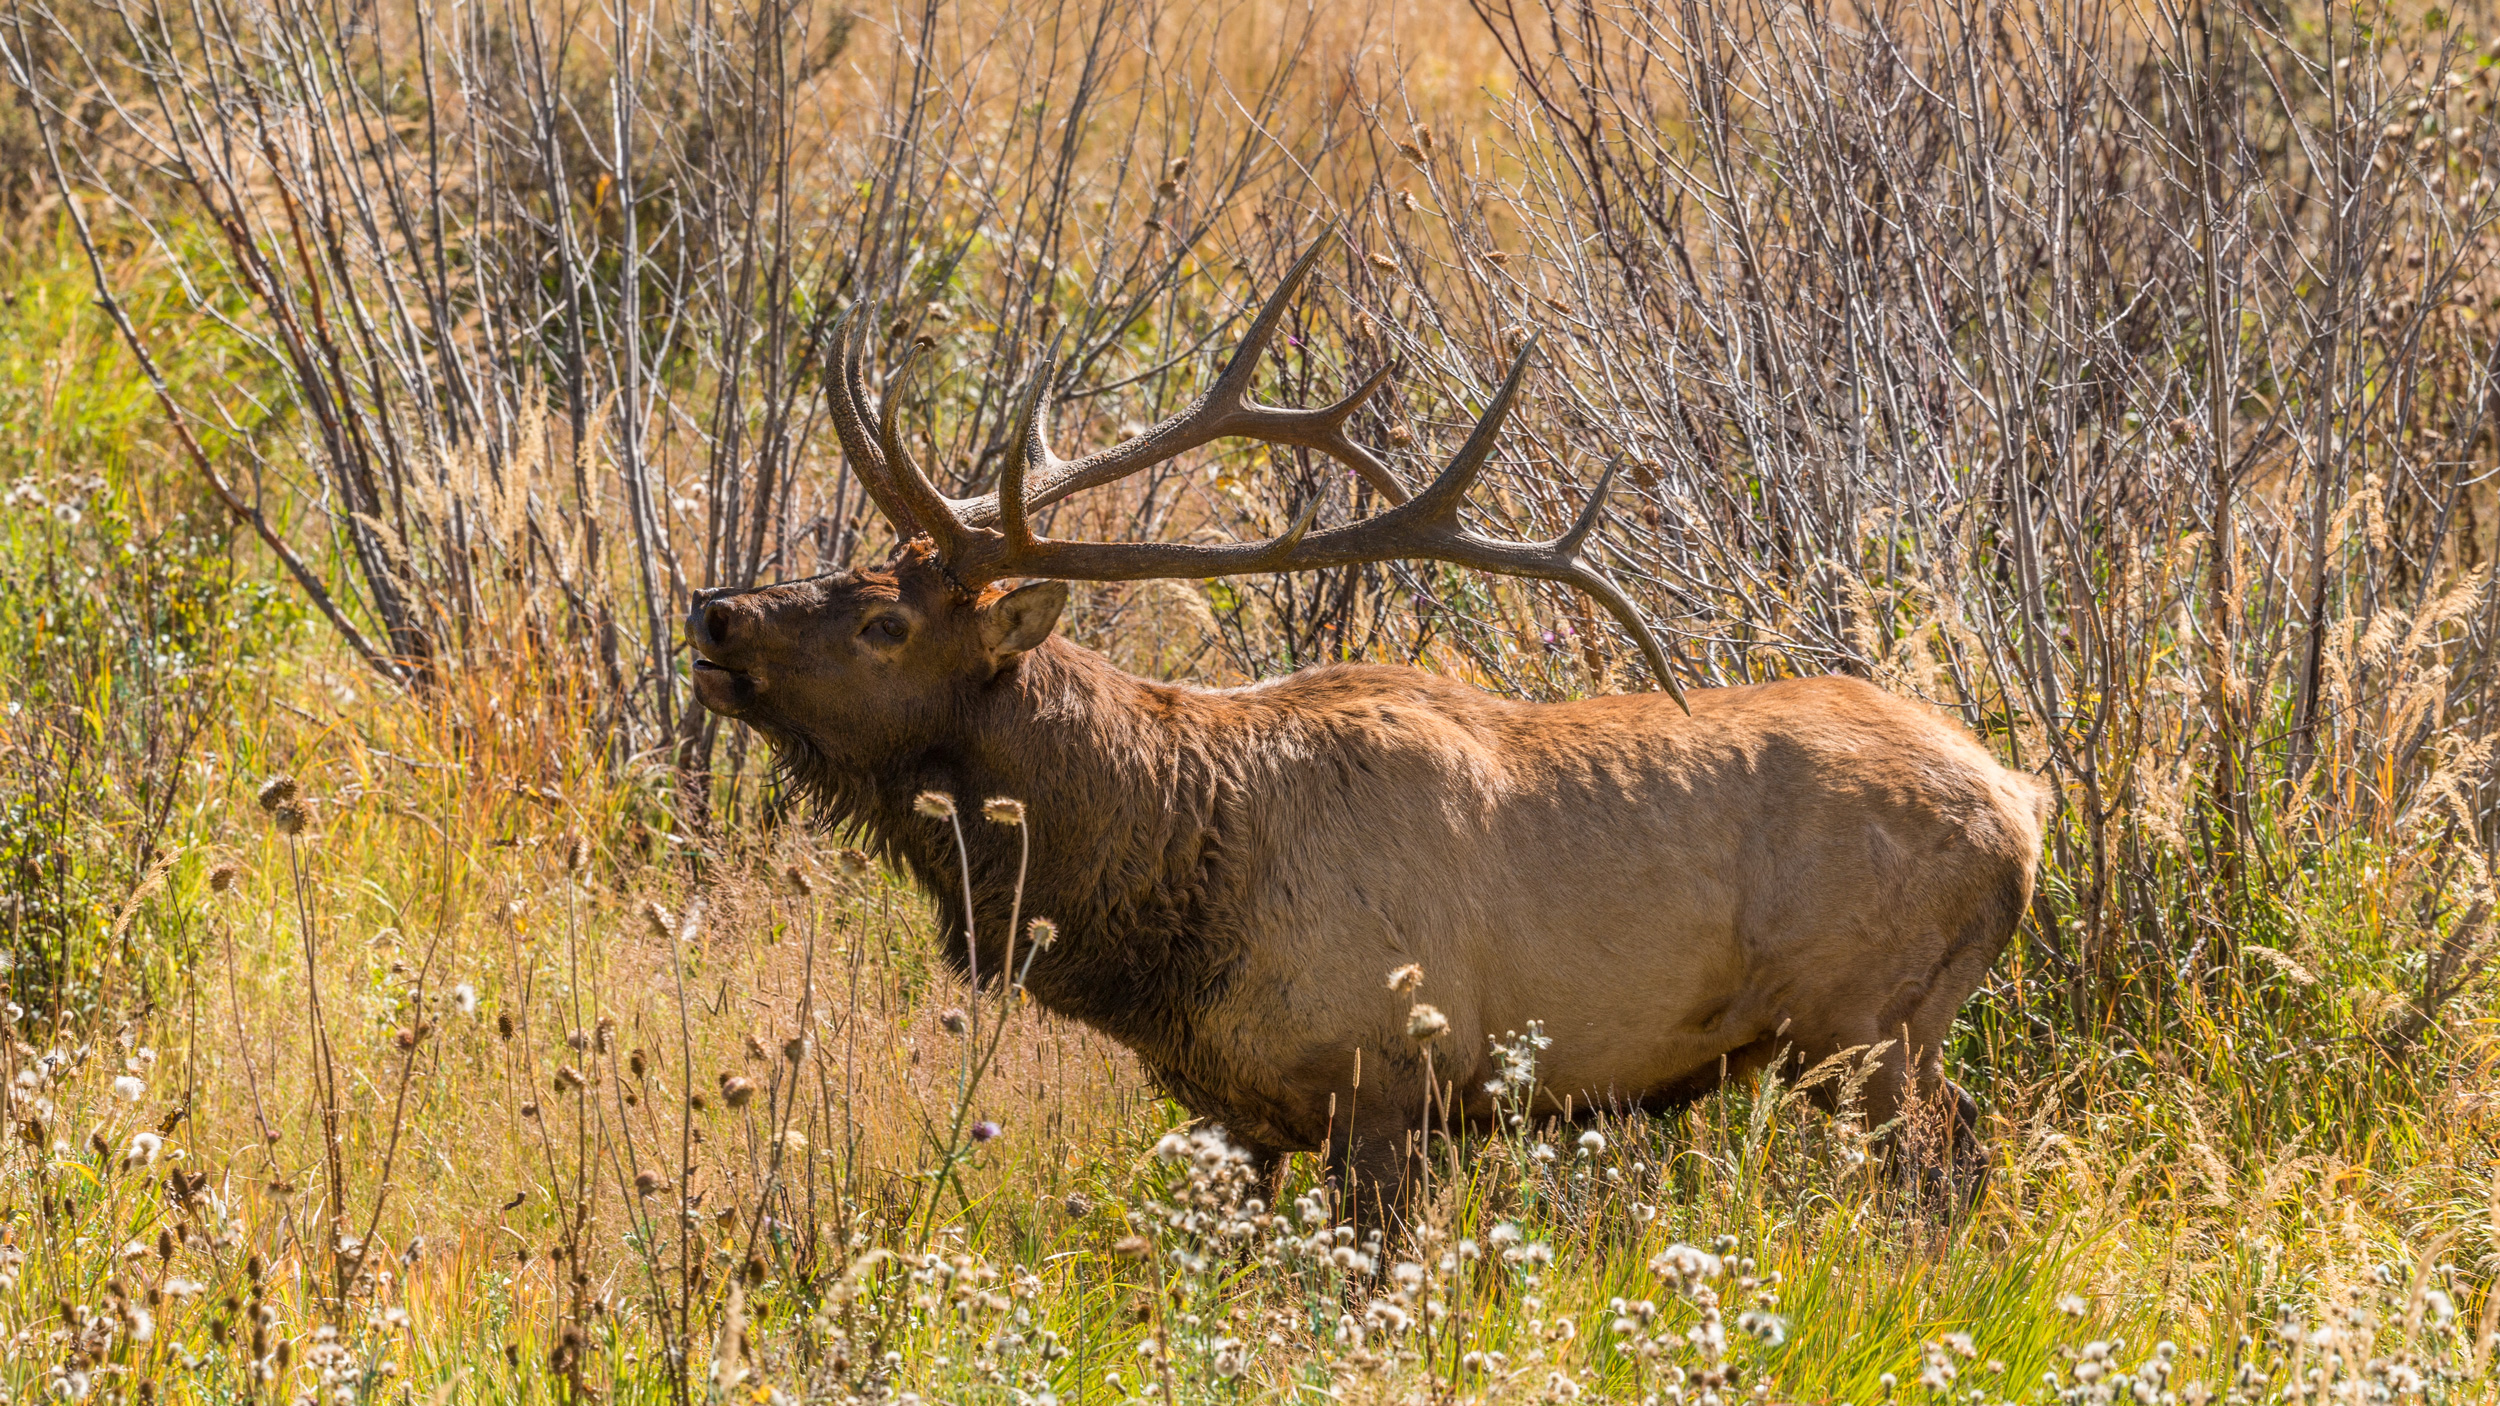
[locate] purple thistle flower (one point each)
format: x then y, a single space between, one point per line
984 1130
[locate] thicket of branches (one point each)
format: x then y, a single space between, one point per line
2118 377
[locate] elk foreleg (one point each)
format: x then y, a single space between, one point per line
1268 1167
1375 1168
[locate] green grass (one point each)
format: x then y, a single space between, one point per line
2251 1164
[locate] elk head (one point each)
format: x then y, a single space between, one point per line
873 661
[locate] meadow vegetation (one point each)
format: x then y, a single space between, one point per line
411 997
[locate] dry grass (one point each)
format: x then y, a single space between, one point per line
2188 1195
2239 1069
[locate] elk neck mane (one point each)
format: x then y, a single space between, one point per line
1132 791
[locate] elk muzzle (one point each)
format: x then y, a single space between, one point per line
721 628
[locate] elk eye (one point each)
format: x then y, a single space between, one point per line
889 630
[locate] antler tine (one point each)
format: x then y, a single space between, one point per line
850 423
1232 384
1036 450
1628 615
1224 411
938 515
1592 512
1322 429
1440 499
846 411
1327 427
1436 512
1596 583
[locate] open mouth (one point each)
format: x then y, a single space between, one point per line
705 664
721 688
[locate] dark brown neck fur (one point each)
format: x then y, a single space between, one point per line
1127 812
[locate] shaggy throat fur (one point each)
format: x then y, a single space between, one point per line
1128 824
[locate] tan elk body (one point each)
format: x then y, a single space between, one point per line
1807 866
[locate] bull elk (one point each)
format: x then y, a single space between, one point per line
1681 895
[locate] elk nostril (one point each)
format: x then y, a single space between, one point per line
716 622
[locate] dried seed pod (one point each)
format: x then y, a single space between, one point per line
277 791
1424 1024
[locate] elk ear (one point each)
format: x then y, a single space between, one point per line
1022 618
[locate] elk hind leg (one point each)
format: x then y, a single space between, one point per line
1937 1137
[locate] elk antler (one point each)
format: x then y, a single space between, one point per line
1424 527
1226 410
